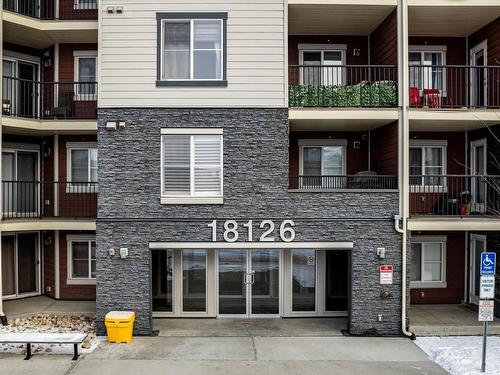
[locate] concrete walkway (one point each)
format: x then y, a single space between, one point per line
237 355
448 320
292 327
41 304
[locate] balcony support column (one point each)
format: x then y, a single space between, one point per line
403 163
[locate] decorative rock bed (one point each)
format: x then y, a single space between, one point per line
51 323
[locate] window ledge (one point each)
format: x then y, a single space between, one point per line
80 281
428 284
189 83
192 200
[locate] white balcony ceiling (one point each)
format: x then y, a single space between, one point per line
449 21
335 19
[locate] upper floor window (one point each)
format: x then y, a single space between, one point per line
191 169
428 262
82 167
81 259
85 75
85 4
191 49
322 64
427 163
322 162
426 68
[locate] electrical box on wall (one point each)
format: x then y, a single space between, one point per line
123 252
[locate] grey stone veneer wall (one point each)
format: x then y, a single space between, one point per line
255 187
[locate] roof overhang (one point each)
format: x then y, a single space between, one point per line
325 17
447 18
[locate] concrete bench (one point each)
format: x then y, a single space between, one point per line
29 338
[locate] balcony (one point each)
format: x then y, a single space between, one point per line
455 195
49 100
37 200
343 86
47 9
348 183
454 87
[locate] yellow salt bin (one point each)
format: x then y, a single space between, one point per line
119 326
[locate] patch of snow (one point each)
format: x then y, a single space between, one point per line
462 355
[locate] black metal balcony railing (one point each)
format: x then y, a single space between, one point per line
454 86
343 86
49 100
37 199
368 182
46 9
455 195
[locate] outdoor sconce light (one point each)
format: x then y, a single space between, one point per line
123 252
111 252
111 10
119 10
111 125
384 294
356 52
381 252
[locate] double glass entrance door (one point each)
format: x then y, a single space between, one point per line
249 282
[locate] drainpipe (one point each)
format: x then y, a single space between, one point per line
3 318
403 163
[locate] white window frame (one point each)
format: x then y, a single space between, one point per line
191 49
322 48
430 240
70 280
431 49
77 55
79 187
422 145
80 5
322 143
192 198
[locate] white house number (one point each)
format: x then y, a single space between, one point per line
287 233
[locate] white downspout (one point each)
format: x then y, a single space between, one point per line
403 136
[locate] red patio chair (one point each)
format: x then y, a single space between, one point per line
432 98
414 97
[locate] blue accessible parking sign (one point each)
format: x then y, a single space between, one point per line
488 261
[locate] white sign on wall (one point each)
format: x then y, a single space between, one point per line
487 287
386 274
486 310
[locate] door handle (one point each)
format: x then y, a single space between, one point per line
252 277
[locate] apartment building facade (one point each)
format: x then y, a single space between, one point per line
250 159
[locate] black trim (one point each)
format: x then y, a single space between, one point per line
220 83
197 15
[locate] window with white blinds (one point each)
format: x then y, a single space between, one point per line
192 165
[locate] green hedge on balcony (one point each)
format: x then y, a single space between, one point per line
361 95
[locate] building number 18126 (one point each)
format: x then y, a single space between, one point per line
231 234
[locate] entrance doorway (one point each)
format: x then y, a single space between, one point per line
258 281
477 246
249 282
20 265
478 76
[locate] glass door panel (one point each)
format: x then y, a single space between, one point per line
194 280
26 105
232 282
8 266
9 176
27 189
478 245
303 280
27 263
265 281
162 278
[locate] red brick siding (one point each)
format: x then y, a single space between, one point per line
71 292
384 149
455 270
48 264
384 42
